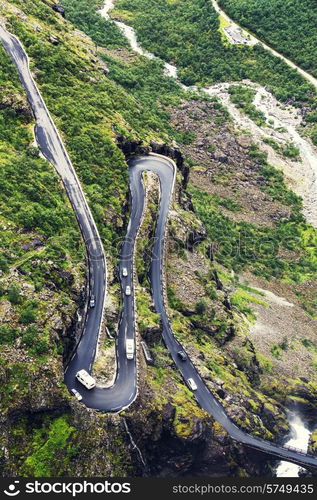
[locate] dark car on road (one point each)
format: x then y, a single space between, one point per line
182 355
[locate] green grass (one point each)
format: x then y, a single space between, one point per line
146 317
242 300
49 444
223 23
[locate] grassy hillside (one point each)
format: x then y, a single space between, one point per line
40 251
287 25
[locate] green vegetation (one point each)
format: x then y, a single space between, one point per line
140 77
227 203
30 195
70 97
185 407
265 363
275 187
241 245
309 345
201 307
14 294
85 17
242 300
188 33
277 349
288 150
287 25
147 318
144 81
39 234
50 448
242 97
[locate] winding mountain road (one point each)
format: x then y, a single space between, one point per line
124 390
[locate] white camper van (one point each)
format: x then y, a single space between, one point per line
129 348
84 378
191 384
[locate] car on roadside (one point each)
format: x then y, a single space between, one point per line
182 355
77 395
191 384
124 272
128 290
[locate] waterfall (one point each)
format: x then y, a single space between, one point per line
299 438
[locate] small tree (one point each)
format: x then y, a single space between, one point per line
33 151
27 317
284 344
4 267
201 307
14 294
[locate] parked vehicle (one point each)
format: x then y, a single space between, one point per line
92 301
129 348
128 290
87 380
124 271
191 384
147 353
182 355
77 395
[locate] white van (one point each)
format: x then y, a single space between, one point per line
84 378
191 384
128 290
129 348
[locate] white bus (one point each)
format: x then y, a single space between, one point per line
129 348
87 380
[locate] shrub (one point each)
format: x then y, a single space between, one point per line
201 307
27 317
4 266
14 294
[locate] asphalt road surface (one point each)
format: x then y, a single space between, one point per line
124 389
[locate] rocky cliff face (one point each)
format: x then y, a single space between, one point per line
184 441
